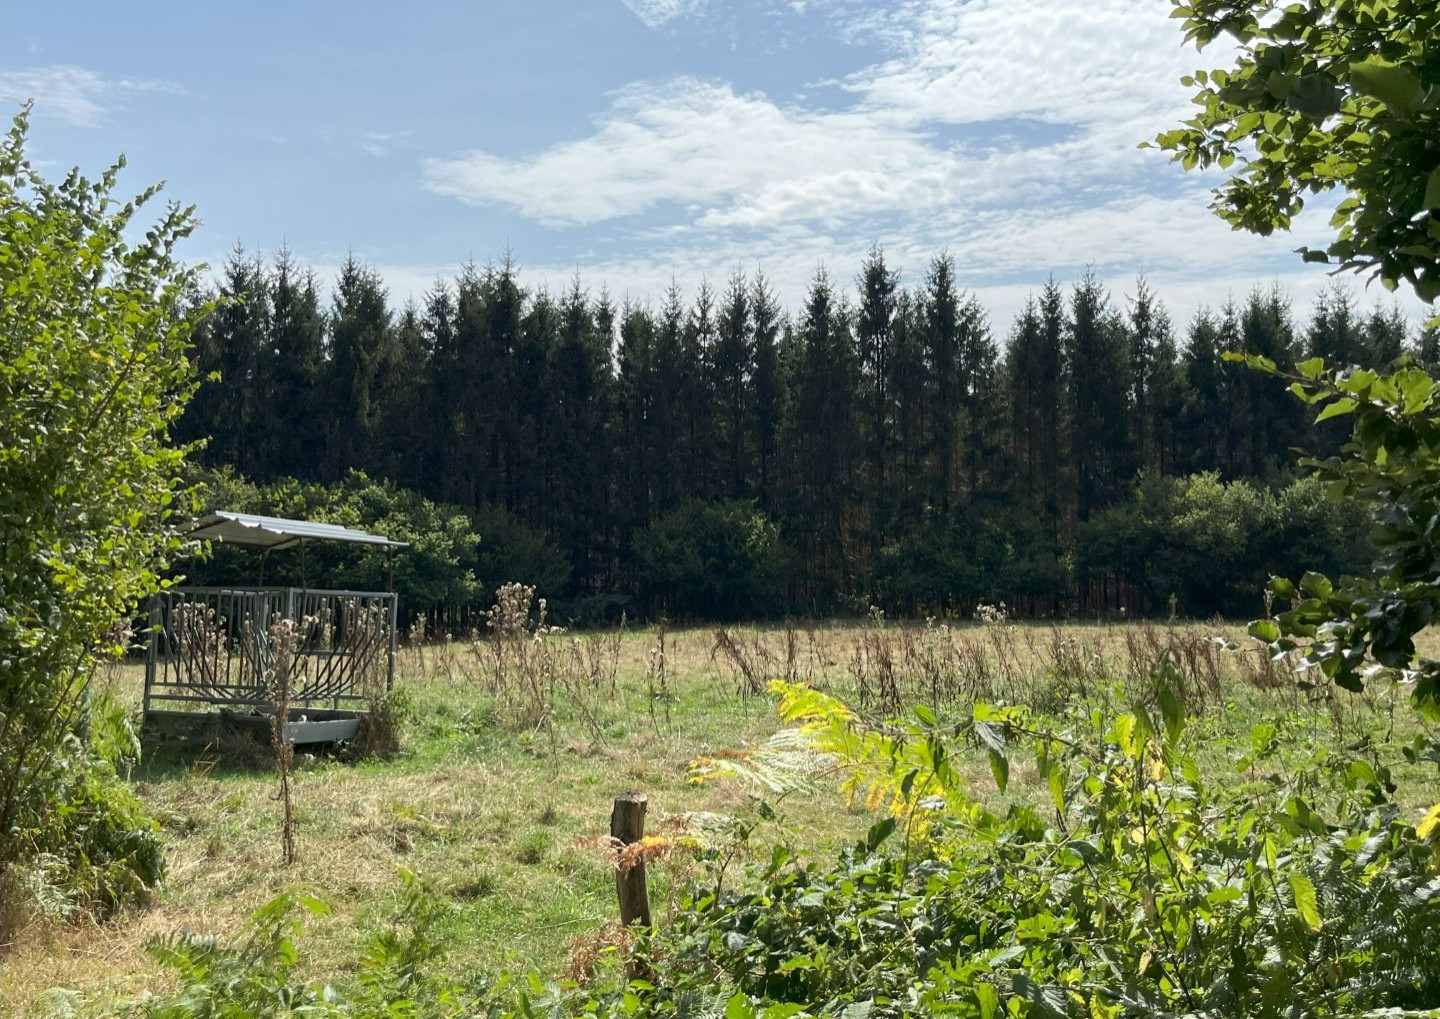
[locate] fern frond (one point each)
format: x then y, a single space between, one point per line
786 762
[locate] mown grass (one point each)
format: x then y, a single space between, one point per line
492 796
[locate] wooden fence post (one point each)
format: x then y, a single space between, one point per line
627 825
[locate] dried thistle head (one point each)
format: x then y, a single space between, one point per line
509 617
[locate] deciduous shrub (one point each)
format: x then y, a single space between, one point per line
713 561
94 335
1213 544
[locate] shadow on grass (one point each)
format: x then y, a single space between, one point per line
209 744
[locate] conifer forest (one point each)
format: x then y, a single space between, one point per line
718 456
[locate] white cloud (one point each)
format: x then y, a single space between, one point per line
655 13
970 61
1102 75
76 96
739 159
1004 131
379 143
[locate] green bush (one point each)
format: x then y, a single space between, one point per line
514 552
90 846
1135 887
1214 544
974 557
720 560
95 331
456 559
435 571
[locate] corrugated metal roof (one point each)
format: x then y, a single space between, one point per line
277 532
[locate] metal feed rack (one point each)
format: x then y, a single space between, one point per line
211 646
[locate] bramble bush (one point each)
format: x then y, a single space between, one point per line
1135 888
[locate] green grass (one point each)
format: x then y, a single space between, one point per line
495 815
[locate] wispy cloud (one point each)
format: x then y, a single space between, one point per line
379 143
1101 74
655 13
76 96
736 158
1004 131
1062 61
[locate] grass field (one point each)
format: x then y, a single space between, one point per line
506 769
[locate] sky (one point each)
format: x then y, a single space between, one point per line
640 142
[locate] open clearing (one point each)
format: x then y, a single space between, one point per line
497 785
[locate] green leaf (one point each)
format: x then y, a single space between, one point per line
1173 712
1264 629
1432 190
878 833
1393 85
784 1010
1316 585
1342 406
1284 587
1057 788
1000 769
739 1007
313 905
988 998
1221 896
1305 901
1314 95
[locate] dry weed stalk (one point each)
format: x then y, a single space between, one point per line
954 665
531 674
522 663
656 678
284 637
589 673
748 664
199 643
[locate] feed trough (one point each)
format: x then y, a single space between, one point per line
214 648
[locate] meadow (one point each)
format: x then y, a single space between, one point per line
510 752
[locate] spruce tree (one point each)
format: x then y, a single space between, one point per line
1099 397
697 396
940 309
233 343
767 388
360 347
822 438
981 434
1384 336
878 286
636 396
295 434
733 357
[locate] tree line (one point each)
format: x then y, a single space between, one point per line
894 447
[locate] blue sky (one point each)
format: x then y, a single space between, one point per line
646 140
